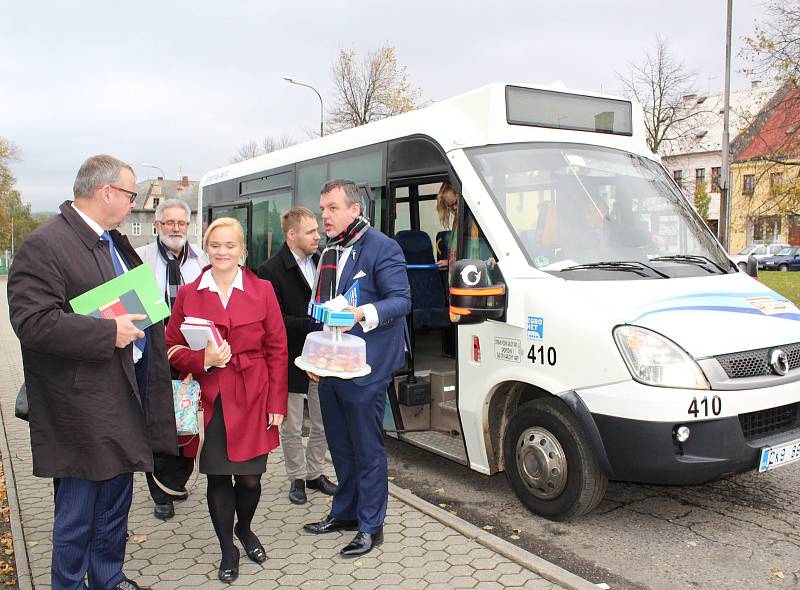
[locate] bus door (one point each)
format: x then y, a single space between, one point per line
239 211
425 405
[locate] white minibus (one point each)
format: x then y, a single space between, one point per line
584 325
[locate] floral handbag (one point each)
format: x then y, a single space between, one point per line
189 421
186 397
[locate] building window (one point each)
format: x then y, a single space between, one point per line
775 180
155 231
767 228
136 229
156 201
716 171
749 184
699 175
677 176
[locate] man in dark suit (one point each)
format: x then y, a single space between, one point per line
291 272
353 409
99 392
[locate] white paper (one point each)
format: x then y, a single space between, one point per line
338 303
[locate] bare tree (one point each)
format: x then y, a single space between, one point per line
660 83
774 48
269 144
373 88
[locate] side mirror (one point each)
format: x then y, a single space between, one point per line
473 295
752 266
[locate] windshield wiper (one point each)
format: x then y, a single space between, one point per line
690 259
622 265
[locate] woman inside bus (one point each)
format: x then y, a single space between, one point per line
243 385
446 207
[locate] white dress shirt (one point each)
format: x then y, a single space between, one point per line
208 282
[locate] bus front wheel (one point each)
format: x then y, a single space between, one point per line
549 463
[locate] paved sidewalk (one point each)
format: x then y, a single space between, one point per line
420 551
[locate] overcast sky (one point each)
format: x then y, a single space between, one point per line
182 84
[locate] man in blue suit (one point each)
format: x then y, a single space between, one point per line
352 410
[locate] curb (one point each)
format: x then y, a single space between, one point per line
537 565
24 577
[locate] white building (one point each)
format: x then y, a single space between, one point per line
697 156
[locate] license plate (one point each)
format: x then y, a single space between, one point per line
772 457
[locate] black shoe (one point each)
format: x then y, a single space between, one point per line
297 492
164 511
229 575
362 544
256 550
323 484
330 525
181 498
129 585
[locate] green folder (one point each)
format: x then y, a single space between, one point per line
136 291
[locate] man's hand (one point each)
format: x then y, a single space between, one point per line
217 357
127 331
359 317
313 376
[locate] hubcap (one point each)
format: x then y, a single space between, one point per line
541 463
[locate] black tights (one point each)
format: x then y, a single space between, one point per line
225 499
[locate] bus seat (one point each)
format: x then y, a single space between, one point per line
428 304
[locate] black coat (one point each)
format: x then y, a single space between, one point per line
293 294
86 418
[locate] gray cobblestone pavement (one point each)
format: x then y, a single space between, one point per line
420 552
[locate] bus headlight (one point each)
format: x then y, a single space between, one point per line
656 360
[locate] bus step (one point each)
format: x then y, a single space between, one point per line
442 444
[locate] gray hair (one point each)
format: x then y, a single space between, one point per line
173 203
348 186
97 171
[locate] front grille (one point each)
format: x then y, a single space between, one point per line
771 421
755 363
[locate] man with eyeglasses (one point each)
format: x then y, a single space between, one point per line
174 263
99 391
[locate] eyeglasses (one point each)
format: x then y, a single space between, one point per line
131 194
180 224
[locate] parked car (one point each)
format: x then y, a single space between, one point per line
785 259
760 251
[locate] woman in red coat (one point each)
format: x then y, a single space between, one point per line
243 385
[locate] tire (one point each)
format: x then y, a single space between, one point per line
742 266
546 429
783 268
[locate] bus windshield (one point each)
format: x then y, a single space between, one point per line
587 207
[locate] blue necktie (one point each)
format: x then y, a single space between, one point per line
118 270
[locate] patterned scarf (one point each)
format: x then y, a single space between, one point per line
325 284
174 277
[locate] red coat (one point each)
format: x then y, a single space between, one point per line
254 383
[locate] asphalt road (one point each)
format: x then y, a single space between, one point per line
739 532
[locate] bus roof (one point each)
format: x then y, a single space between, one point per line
475 118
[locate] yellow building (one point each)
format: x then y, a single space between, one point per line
765 190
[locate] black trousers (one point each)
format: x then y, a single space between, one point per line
173 472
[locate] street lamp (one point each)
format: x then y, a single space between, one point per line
163 176
293 81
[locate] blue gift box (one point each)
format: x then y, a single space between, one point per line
332 318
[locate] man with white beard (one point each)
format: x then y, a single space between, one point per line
174 263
